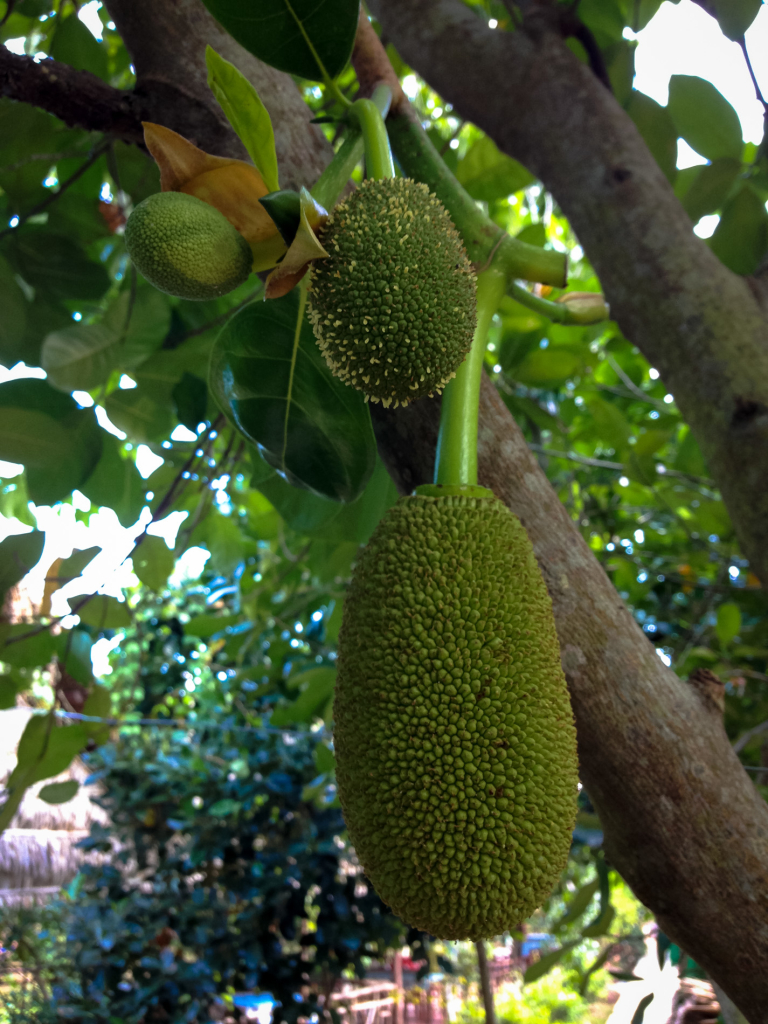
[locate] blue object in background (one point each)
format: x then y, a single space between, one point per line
534 941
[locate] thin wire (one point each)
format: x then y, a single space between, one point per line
177 723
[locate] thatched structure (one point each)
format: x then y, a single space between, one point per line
37 853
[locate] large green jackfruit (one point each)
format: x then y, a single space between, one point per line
455 741
186 247
393 307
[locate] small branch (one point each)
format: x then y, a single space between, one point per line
631 386
78 98
372 65
485 983
750 734
758 92
51 199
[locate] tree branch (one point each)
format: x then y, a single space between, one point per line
78 98
693 319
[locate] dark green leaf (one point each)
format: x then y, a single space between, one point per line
116 483
103 612
741 237
190 400
28 137
284 207
137 173
547 366
298 36
74 654
73 44
18 554
728 622
45 431
639 1015
657 129
488 174
546 962
9 687
142 418
223 808
709 188
59 792
325 760
57 265
533 234
153 562
735 16
317 688
71 567
246 113
580 902
704 118
24 647
80 357
271 380
13 323
601 925
139 326
46 749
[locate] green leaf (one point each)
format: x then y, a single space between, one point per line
18 554
488 174
657 129
728 622
317 688
103 612
704 117
28 137
73 566
80 357
13 323
205 626
74 654
735 16
44 430
223 808
98 705
578 905
23 647
46 749
57 266
741 237
59 792
639 1015
73 44
546 962
547 366
153 562
710 187
325 761
139 328
303 37
9 687
246 113
142 418
533 234
116 483
269 377
190 400
602 925
284 207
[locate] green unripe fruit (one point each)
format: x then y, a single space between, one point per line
393 307
455 742
186 247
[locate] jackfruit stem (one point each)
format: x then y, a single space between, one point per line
456 458
334 178
485 241
378 155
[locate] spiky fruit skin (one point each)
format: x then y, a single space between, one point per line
454 736
393 308
186 247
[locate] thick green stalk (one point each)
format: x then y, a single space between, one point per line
378 155
456 459
334 178
484 240
575 308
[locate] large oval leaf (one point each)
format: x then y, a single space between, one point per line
704 117
268 376
302 37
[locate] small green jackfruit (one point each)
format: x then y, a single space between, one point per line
455 741
393 307
186 247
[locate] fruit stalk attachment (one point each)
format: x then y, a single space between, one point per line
456 459
378 155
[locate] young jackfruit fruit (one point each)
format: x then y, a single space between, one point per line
186 247
455 742
393 307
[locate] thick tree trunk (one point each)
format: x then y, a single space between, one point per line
683 823
699 324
